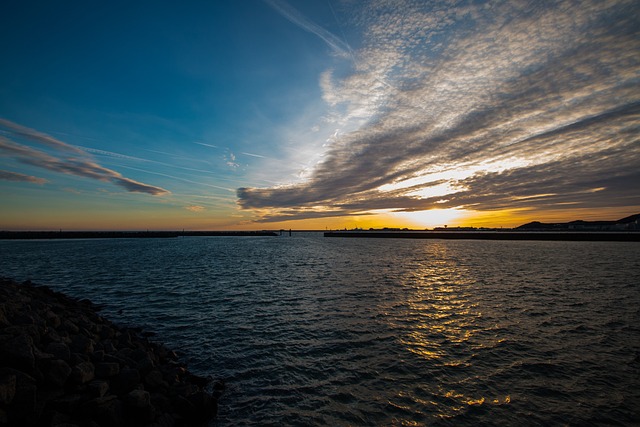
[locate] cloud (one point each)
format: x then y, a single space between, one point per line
254 155
503 105
206 145
339 46
19 177
230 160
64 158
179 178
38 137
195 208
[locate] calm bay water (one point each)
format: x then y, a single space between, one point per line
307 330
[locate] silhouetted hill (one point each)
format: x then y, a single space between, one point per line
630 223
631 218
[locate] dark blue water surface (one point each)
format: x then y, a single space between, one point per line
307 330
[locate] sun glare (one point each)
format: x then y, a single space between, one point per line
431 218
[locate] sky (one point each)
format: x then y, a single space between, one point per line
316 114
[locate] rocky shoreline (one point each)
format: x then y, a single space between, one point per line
62 364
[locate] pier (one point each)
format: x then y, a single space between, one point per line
493 235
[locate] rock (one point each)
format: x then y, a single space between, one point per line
109 348
3 317
205 406
62 420
124 356
7 388
107 369
197 379
77 358
182 405
70 327
160 400
218 388
98 355
138 405
108 410
23 405
145 364
165 420
155 380
17 352
105 332
52 335
138 399
110 358
82 373
69 403
52 319
98 388
126 353
127 380
24 318
59 350
185 389
58 372
81 344
125 339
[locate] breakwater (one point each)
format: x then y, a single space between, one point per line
494 235
62 363
31 235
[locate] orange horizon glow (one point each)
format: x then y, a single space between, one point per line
240 220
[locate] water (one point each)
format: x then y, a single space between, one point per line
307 330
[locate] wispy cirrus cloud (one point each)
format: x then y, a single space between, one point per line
254 155
206 145
20 177
479 106
63 158
38 137
338 45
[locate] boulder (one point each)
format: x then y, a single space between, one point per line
155 380
108 410
107 369
23 405
7 387
205 406
17 352
98 388
82 373
127 380
52 319
58 372
81 344
68 403
138 399
59 350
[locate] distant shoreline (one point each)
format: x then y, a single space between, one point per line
31 235
613 236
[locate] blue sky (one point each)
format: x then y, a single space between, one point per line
261 114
